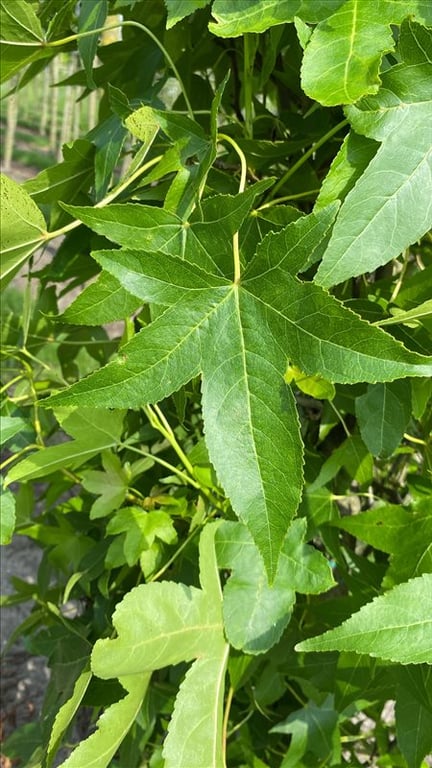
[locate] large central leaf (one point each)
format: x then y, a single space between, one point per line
240 336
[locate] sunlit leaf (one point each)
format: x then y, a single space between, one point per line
7 509
388 209
396 626
160 624
23 227
239 337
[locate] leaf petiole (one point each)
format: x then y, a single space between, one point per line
294 168
137 25
242 186
106 200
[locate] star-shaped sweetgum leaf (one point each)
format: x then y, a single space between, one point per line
239 336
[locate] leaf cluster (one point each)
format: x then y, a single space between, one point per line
222 444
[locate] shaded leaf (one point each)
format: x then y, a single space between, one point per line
11 426
108 137
67 712
179 9
423 311
413 726
255 613
64 180
350 162
94 431
111 485
92 15
406 535
396 626
314 729
383 413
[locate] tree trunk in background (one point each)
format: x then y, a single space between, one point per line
54 68
11 123
76 120
92 109
43 123
68 109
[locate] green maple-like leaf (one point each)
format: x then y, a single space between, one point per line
239 335
98 749
256 613
93 432
179 9
23 227
396 626
405 535
383 413
342 59
111 485
160 624
388 209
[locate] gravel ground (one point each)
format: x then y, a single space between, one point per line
23 677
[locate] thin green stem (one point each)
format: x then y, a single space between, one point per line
291 171
400 279
106 200
242 186
128 23
248 64
18 455
173 558
228 703
185 478
243 161
341 419
287 198
159 422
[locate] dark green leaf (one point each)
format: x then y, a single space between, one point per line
383 414
179 9
313 728
239 337
92 15
94 431
102 302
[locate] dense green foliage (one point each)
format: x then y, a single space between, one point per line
221 444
